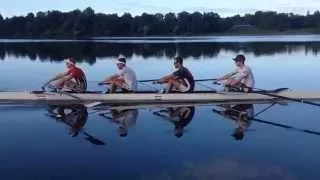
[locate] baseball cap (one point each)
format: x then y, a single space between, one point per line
239 57
70 61
121 59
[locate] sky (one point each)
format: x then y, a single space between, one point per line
225 8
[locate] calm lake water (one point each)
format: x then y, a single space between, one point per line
139 144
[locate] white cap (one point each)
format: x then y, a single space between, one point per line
121 56
68 61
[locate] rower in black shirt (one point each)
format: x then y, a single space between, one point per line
179 116
181 80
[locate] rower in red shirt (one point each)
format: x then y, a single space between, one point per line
73 79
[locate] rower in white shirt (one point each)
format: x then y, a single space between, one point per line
241 79
125 79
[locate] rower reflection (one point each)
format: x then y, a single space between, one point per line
75 116
241 114
124 118
179 116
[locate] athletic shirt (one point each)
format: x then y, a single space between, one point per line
185 115
185 75
246 74
129 77
127 118
79 76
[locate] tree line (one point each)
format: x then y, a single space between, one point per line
87 23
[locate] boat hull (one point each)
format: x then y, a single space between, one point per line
136 98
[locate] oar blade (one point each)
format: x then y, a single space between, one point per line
95 141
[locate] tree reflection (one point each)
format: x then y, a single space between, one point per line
89 51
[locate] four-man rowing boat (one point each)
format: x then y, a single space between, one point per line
148 97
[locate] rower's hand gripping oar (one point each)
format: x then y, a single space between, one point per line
102 83
43 87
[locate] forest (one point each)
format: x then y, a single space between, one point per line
87 23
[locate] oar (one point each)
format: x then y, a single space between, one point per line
197 80
93 140
100 83
145 84
50 86
87 105
264 92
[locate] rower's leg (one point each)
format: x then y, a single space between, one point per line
230 86
173 84
113 88
169 89
60 83
117 84
227 85
73 86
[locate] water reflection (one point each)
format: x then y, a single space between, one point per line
243 115
75 117
227 169
180 117
124 118
240 114
90 51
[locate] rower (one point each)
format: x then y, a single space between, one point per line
181 80
241 79
73 79
125 79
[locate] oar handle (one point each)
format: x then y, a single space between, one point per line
216 83
103 83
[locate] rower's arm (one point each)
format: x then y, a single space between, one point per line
65 78
59 76
227 76
166 78
108 79
242 76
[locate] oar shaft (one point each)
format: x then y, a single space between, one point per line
197 80
263 92
288 98
201 80
151 80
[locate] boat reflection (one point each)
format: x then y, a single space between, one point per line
75 116
180 117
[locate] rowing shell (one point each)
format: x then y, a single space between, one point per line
214 97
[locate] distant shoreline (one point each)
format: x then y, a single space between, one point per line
259 33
